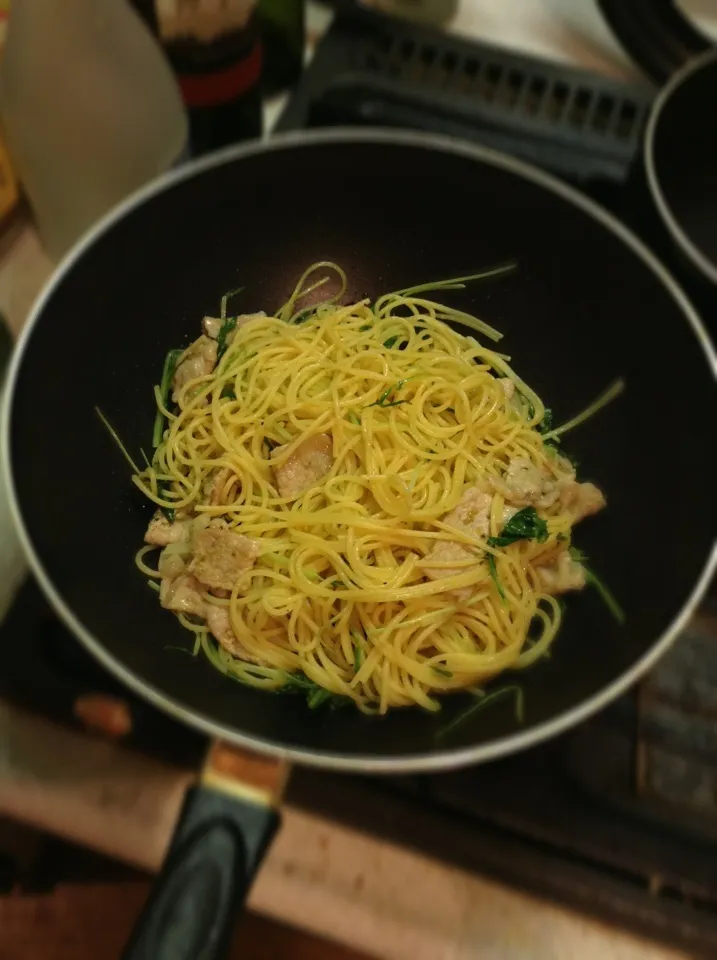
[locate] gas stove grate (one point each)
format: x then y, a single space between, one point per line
531 90
373 70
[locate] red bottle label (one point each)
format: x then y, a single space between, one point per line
223 86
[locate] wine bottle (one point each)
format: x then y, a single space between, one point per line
215 51
89 107
283 34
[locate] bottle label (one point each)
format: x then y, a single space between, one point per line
222 86
202 20
215 50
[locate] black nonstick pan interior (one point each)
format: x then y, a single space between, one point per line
584 307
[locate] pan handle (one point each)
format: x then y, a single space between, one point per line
217 847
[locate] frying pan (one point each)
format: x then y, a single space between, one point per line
587 304
677 171
681 162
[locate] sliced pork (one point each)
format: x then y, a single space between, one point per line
308 464
199 361
221 557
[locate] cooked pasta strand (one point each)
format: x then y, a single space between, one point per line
393 571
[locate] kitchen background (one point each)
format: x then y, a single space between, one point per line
599 844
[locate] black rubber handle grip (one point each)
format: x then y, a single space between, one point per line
217 847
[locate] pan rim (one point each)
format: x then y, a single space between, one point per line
439 760
680 236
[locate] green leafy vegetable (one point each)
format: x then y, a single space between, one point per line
545 427
162 487
115 436
494 576
354 418
484 701
359 652
225 300
442 672
456 283
604 592
316 696
524 525
303 315
547 423
301 291
400 341
384 401
224 331
165 385
550 438
606 595
607 396
228 394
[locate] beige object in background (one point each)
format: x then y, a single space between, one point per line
8 183
9 193
90 109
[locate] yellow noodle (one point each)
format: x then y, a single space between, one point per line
139 560
339 593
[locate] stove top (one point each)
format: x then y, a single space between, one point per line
618 817
374 70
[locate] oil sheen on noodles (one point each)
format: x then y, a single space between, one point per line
367 585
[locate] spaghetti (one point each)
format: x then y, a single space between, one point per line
358 501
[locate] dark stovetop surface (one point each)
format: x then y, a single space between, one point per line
373 70
619 817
